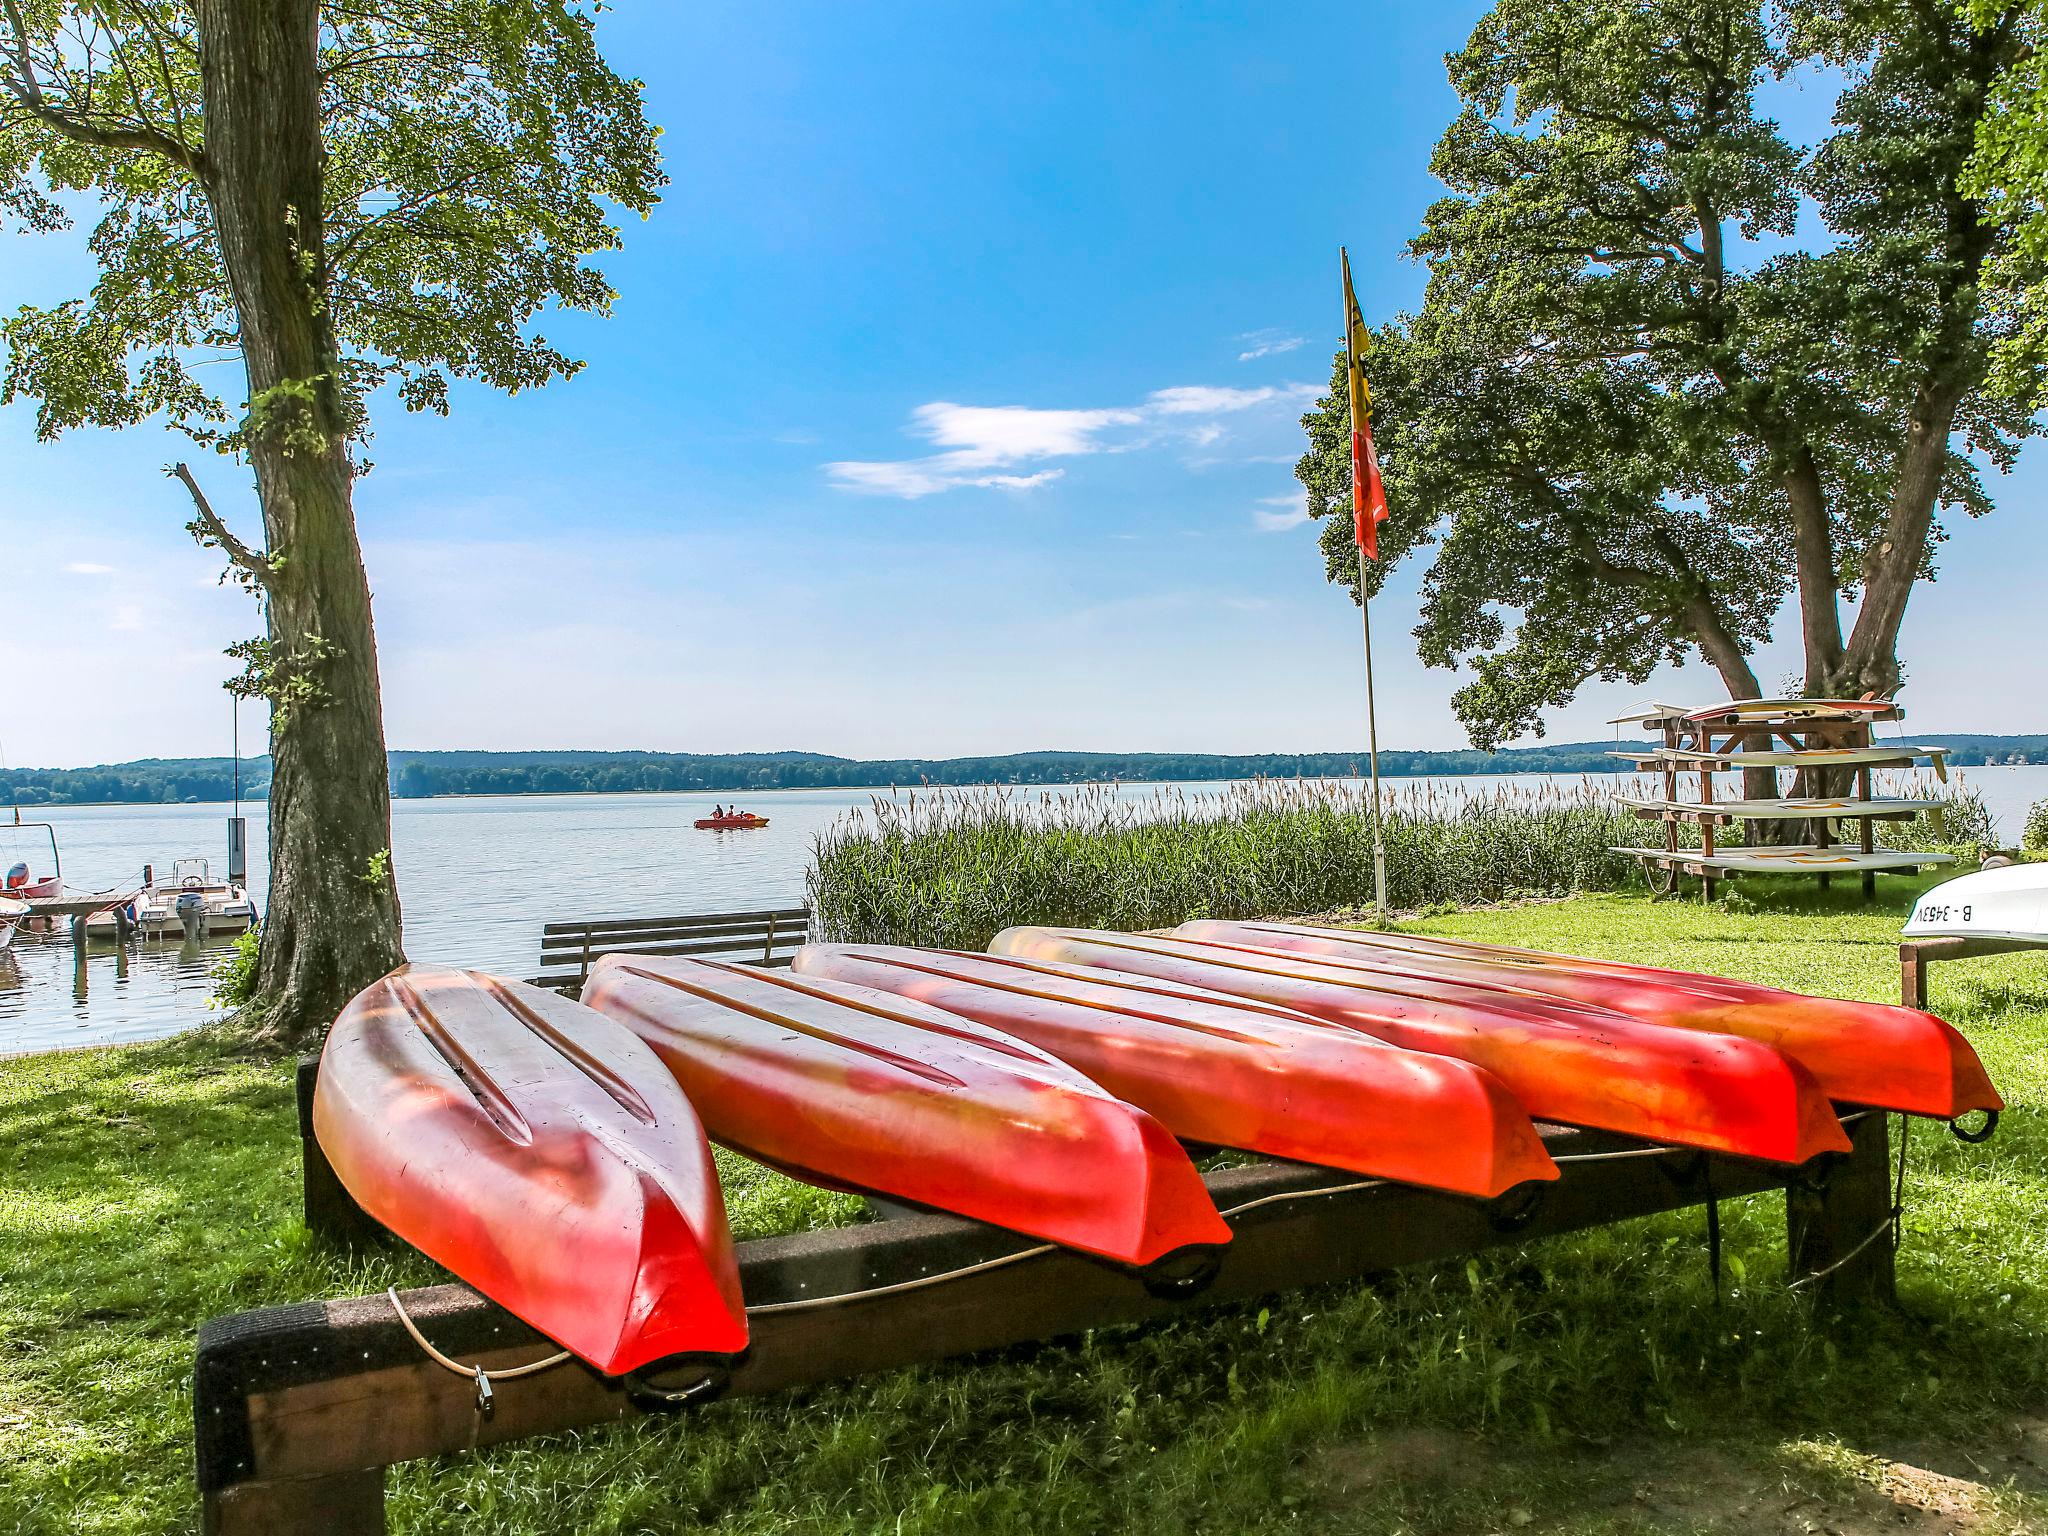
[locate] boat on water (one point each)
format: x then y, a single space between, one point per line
1566 1061
27 878
2010 902
543 1155
850 1088
731 822
187 900
1861 1053
11 912
1223 1071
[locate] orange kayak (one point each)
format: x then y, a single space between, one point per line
1228 1072
1565 1061
542 1154
856 1089
1861 1053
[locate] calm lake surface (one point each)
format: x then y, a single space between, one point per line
478 877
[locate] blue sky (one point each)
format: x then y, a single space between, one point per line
949 406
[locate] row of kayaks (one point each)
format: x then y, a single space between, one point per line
555 1154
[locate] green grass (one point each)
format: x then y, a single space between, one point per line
1583 1385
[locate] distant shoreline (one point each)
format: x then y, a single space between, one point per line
29 810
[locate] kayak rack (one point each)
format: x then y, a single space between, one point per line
298 1409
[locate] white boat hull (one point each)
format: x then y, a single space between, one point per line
2007 903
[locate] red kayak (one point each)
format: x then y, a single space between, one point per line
1565 1061
542 1154
854 1089
1228 1072
1861 1053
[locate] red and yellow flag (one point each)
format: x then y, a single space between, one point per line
1368 494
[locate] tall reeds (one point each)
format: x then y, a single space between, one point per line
953 868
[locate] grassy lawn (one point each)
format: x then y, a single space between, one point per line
1585 1384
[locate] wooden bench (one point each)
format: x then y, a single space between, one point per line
568 950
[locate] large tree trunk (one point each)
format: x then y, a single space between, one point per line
331 924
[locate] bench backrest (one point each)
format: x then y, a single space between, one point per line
568 950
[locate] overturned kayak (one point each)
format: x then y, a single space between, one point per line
542 1154
1565 1061
1861 1053
1229 1072
856 1089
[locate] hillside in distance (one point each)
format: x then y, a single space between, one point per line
422 775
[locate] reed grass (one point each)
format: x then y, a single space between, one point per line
951 869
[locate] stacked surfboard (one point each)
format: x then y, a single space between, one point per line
556 1154
1828 746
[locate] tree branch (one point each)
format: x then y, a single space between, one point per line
210 529
27 90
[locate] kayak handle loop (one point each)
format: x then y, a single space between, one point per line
1980 1135
1182 1274
643 1394
1514 1208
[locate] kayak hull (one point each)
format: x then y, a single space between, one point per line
1225 1072
1564 1061
542 1154
1877 1054
856 1089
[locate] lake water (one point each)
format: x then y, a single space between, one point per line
478 877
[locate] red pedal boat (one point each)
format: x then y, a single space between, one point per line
1229 1072
1861 1053
542 1154
855 1089
1565 1061
730 823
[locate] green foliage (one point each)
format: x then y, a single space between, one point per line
2035 835
1541 1386
472 151
2009 176
1959 823
953 870
234 976
1671 367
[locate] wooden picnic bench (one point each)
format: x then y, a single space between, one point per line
770 937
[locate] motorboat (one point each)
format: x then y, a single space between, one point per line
2009 902
187 901
22 879
11 912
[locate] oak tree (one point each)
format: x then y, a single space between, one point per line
1674 372
341 195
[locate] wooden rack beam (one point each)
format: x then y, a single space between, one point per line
298 1409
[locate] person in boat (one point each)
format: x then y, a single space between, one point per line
717 812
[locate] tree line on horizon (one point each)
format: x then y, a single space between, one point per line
425 775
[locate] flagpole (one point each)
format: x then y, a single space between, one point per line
1372 725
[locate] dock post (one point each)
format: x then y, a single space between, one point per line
1838 1229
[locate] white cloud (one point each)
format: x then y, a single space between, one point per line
991 446
1212 400
89 568
1269 342
1277 514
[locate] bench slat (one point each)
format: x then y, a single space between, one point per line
641 924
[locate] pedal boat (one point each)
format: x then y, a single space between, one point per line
1565 1061
854 1089
541 1153
1223 1071
1876 1054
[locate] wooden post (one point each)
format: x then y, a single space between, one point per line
345 1504
1838 1234
330 1210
